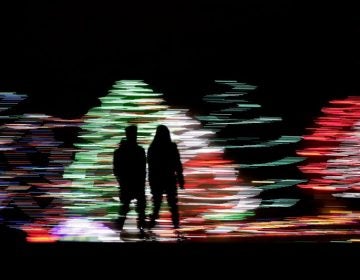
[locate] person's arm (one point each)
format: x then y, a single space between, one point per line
143 155
149 159
116 162
179 168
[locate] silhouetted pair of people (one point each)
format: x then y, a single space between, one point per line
165 172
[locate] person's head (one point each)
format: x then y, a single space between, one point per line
131 133
162 135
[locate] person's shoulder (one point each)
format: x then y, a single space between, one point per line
140 148
122 144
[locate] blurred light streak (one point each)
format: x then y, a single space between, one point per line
93 186
332 148
82 191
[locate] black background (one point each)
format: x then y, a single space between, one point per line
65 55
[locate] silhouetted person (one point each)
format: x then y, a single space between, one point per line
165 171
130 170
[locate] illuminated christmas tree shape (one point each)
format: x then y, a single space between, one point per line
234 108
214 193
31 168
94 189
332 149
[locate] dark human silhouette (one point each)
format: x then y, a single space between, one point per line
130 170
165 172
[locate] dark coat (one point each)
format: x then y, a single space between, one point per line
129 167
165 168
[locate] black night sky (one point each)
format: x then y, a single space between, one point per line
64 55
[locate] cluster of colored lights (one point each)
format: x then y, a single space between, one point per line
214 193
83 188
32 167
213 190
332 148
338 225
71 193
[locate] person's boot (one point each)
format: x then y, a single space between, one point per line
179 235
142 233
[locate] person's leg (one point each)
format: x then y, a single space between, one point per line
140 209
156 199
172 200
123 210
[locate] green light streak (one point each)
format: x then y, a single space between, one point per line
281 202
283 140
284 161
229 217
282 184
